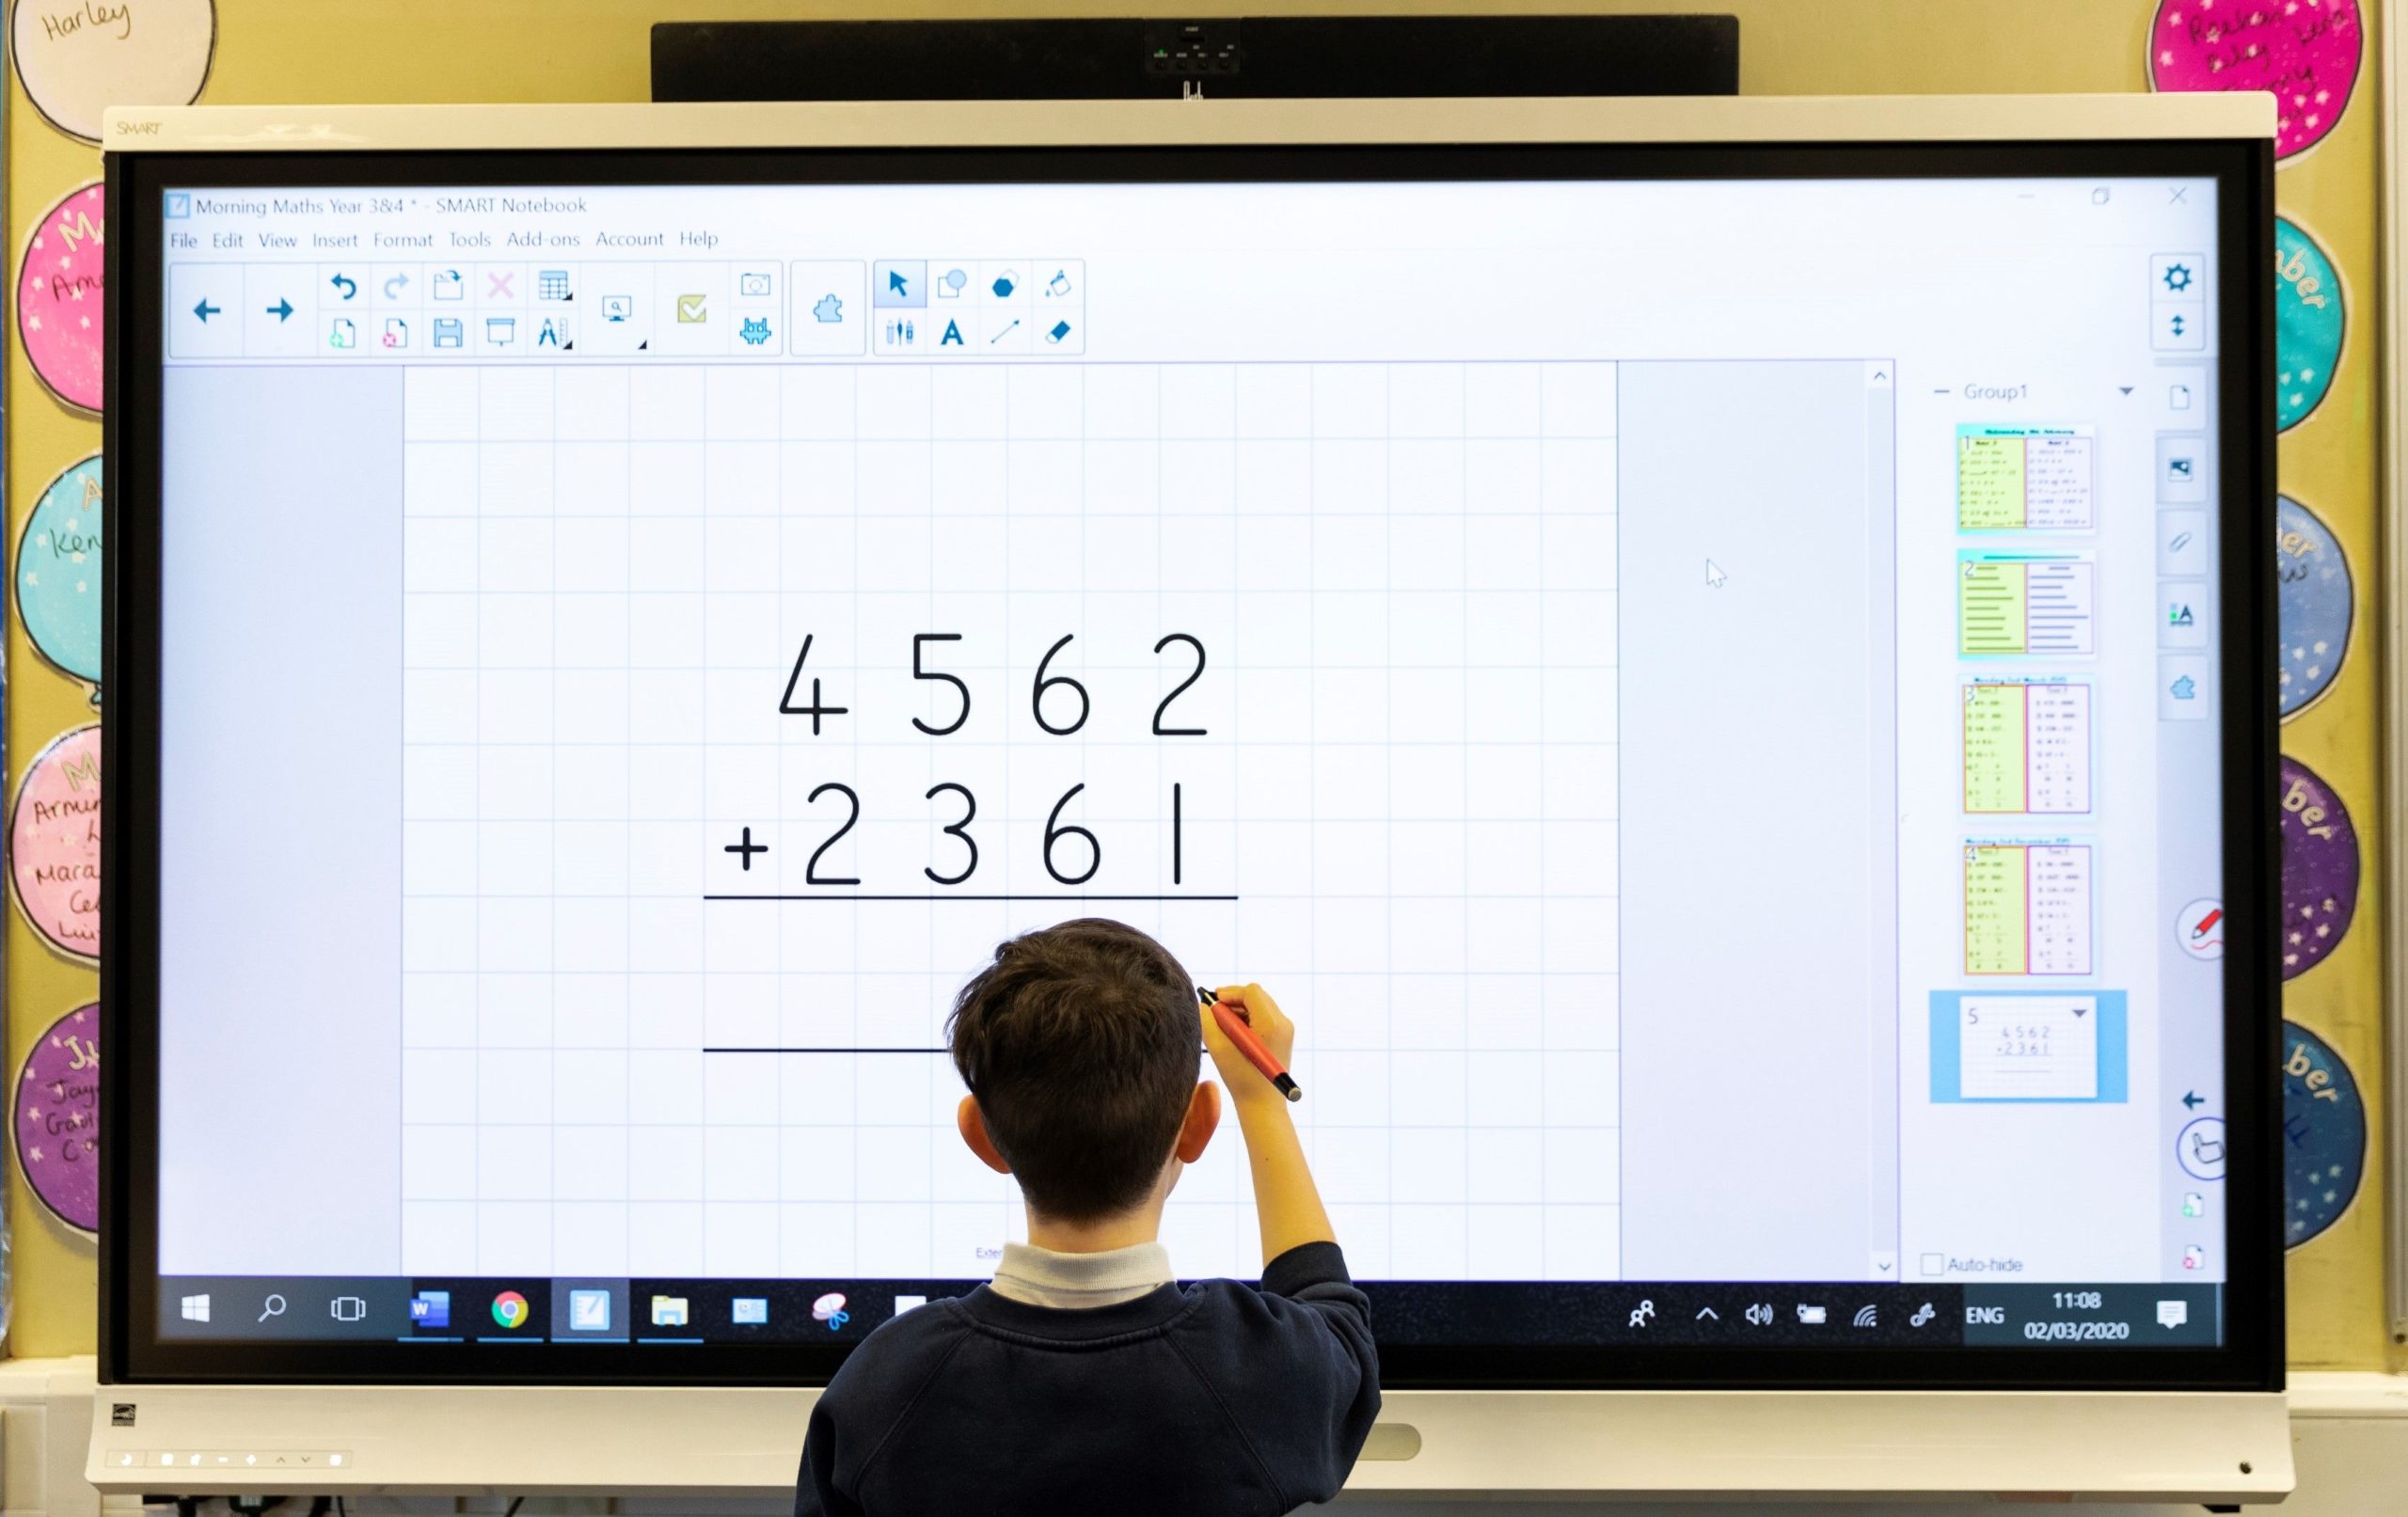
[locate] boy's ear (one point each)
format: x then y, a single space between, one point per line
972 1122
1203 1118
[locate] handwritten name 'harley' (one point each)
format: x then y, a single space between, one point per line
90 17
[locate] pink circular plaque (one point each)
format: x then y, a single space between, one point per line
58 1119
55 843
2305 51
59 298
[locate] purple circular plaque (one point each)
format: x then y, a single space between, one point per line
58 1119
2319 869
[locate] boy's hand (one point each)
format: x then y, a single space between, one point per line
1270 1024
1287 1205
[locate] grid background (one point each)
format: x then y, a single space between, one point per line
1404 578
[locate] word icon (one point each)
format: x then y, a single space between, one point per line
830 1309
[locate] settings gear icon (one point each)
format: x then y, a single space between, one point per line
2178 277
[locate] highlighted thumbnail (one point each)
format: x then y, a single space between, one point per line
2028 1046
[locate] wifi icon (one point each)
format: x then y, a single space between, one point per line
1867 1317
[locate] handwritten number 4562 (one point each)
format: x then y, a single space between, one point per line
1058 702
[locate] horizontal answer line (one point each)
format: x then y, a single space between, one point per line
823 895
827 1051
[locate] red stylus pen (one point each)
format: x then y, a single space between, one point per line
1233 1022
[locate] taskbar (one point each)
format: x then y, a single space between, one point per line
501 1311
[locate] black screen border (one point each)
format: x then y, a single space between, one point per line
2251 1357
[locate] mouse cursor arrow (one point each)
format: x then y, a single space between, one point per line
1714 575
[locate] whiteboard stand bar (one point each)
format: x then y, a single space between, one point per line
744 1442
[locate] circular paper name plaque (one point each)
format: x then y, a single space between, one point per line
55 843
2312 592
79 57
59 298
2319 869
58 572
58 1119
2306 52
2308 324
2324 1135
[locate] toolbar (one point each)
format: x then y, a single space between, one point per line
546 309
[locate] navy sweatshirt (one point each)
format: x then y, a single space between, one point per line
1214 1398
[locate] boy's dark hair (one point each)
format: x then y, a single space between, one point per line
1082 1043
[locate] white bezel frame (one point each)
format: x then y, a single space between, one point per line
731 1442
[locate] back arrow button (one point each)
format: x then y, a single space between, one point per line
205 311
2191 1099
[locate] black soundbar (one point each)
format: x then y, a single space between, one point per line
1258 57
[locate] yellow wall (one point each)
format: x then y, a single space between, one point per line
564 49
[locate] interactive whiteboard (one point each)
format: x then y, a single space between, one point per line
1713 683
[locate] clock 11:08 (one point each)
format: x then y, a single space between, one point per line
1058 704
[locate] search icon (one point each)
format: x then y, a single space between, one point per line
274 1306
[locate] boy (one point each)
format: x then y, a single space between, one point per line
1082 1379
